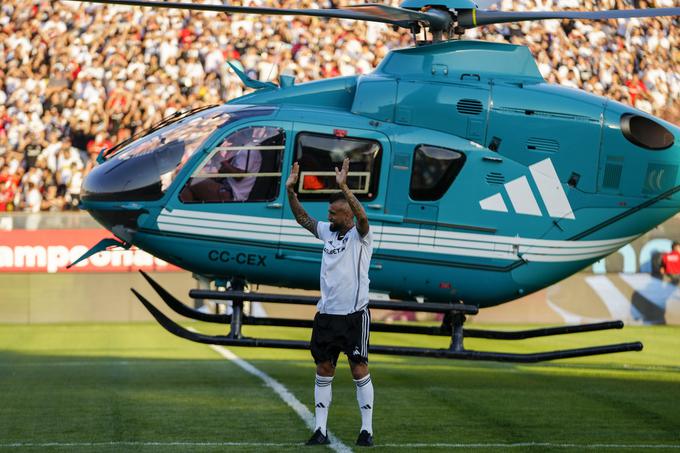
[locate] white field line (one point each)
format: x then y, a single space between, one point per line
284 394
533 444
279 445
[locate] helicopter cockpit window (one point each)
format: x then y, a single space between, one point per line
318 155
245 166
145 168
434 170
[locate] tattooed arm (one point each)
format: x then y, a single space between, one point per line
357 208
307 222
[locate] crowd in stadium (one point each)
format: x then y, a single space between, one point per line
76 78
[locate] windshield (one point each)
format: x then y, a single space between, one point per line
175 117
144 169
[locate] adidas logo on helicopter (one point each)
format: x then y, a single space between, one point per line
522 196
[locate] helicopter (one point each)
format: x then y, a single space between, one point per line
482 182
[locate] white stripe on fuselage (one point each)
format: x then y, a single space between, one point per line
391 238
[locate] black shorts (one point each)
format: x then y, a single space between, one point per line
333 334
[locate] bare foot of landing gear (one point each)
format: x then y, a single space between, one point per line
318 438
365 439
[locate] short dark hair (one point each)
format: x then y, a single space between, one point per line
337 196
675 244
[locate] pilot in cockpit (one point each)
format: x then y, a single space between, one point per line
235 156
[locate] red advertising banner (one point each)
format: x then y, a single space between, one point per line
52 250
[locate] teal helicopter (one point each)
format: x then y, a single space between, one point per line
481 181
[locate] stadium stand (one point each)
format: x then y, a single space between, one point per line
76 78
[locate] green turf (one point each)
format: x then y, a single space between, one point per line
119 387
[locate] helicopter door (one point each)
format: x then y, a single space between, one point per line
235 194
318 149
420 176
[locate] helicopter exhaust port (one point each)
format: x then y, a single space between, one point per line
451 326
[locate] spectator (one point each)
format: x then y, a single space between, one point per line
33 200
32 148
100 142
670 264
8 189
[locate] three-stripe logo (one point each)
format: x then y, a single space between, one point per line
522 196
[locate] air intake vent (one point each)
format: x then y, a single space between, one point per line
547 145
469 107
495 178
612 176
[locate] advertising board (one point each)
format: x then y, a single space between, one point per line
52 250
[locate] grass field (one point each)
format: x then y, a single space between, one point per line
123 387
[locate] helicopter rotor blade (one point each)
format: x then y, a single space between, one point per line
368 12
476 18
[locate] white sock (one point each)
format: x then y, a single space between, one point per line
365 399
322 401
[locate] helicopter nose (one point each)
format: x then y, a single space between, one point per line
117 191
137 175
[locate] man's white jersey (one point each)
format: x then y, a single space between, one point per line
344 270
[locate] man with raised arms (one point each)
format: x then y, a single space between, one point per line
343 321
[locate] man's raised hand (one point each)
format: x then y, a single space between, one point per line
293 178
341 175
307 222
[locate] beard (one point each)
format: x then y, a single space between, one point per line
334 227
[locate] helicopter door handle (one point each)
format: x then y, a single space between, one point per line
470 76
375 206
274 205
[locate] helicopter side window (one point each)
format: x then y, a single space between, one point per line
434 170
245 166
318 155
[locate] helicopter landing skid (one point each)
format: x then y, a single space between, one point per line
452 326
